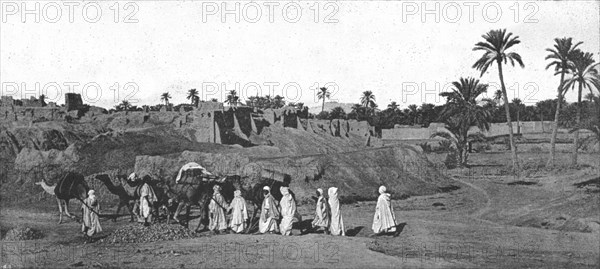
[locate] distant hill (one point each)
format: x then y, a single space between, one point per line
329 106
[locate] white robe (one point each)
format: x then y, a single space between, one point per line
384 219
216 210
321 213
336 226
146 191
269 214
288 214
90 224
239 214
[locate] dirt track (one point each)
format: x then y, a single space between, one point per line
472 227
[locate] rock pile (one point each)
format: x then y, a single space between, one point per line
23 233
136 233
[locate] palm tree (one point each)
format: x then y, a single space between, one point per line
560 56
165 97
368 99
592 124
498 97
393 106
585 75
193 96
356 109
123 106
461 111
278 101
232 98
337 113
413 113
322 94
42 100
590 96
495 47
518 106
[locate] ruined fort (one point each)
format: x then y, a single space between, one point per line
209 122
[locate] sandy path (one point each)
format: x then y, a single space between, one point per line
452 236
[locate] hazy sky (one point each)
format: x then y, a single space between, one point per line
386 47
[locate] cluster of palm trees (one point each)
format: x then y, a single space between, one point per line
465 108
577 68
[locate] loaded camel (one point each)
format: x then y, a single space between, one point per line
70 186
129 192
191 190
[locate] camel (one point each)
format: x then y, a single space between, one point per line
70 186
125 197
130 192
191 190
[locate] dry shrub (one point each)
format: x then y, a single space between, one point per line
22 233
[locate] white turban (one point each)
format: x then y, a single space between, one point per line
320 191
382 189
266 188
131 176
91 192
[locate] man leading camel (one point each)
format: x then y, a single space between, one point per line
90 224
216 210
147 199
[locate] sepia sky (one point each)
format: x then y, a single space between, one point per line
389 47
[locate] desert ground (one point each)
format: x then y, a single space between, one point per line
545 219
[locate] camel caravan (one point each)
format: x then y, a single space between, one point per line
222 202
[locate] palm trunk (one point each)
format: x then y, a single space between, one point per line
518 121
465 154
542 121
555 125
578 121
323 106
513 149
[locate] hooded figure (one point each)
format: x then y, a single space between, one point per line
147 198
269 213
288 211
384 219
322 212
239 214
216 211
337 222
90 224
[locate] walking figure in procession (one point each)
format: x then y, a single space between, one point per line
322 214
269 213
90 224
216 211
239 213
337 222
289 213
384 220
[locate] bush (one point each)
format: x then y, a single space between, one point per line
324 115
451 161
482 147
23 233
445 146
426 147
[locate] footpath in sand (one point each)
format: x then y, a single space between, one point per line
455 233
